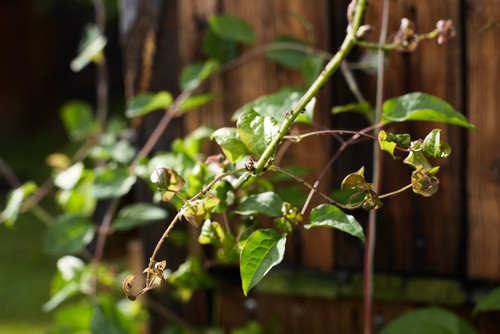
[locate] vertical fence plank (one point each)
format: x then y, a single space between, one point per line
483 153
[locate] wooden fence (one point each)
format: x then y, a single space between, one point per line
429 250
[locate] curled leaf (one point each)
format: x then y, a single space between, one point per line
424 182
356 181
389 141
168 181
127 287
434 147
197 210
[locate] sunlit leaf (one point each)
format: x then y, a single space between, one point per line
422 107
356 181
488 303
434 147
195 73
138 214
191 144
80 199
268 203
232 28
70 234
291 57
73 318
197 210
231 144
168 181
263 250
112 182
90 48
389 141
431 320
328 215
15 200
424 182
363 108
68 178
144 104
78 119
277 105
416 157
256 131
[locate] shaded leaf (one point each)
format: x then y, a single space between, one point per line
416 157
70 234
287 56
356 181
429 320
263 250
311 68
268 203
112 182
90 48
198 100
256 131
363 108
422 107
231 144
434 147
78 119
144 104
15 200
193 74
328 215
216 47
138 214
489 302
277 105
107 318
190 276
232 28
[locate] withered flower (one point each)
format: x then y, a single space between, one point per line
445 30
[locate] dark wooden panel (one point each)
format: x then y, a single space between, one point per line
483 154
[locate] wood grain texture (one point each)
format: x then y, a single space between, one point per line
483 154
258 77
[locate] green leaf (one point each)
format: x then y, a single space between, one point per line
256 131
79 200
90 48
434 147
68 178
263 250
268 203
311 68
107 318
218 48
191 144
277 105
422 107
195 73
195 101
232 28
489 302
112 182
15 200
424 182
363 108
70 234
231 144
78 119
191 276
356 181
389 141
328 215
138 214
144 104
73 318
416 157
287 56
429 320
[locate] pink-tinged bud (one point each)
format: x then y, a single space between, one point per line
406 37
446 30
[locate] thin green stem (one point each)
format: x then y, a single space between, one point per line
393 46
327 72
215 180
395 192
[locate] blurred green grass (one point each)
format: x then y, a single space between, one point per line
26 272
